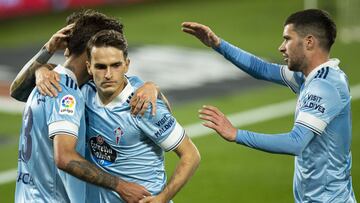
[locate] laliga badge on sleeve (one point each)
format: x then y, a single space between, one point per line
67 105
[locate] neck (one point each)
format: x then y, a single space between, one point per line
77 65
106 98
314 61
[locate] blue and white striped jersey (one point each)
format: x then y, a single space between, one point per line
130 147
39 180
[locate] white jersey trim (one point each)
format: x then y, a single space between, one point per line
174 139
289 79
123 96
63 127
311 122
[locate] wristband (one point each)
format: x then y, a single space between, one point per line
43 56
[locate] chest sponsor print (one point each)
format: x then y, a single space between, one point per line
101 152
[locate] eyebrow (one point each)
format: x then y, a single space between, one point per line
116 63
99 65
112 64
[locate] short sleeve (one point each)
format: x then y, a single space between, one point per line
64 112
292 79
320 104
162 128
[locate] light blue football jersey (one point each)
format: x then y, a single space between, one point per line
130 147
322 171
39 180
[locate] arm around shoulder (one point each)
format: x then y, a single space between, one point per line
24 81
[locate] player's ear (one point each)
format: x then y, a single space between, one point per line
309 42
88 66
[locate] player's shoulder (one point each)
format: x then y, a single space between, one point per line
135 81
68 82
70 88
69 85
88 89
324 86
331 79
321 84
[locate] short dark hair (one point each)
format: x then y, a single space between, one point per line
88 23
315 22
108 38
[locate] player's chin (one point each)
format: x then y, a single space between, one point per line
108 90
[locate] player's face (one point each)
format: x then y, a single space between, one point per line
292 49
108 67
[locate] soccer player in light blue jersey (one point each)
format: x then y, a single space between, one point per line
131 147
321 136
52 139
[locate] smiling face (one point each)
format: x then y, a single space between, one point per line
293 49
108 67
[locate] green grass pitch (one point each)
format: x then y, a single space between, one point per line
228 172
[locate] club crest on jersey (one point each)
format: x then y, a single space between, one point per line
99 140
67 105
118 133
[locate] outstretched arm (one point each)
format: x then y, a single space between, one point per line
68 160
287 143
247 62
24 82
189 161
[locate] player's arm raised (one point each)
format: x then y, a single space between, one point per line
189 161
247 62
24 82
68 160
202 32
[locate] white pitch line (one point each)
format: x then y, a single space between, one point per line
8 176
257 115
238 119
10 105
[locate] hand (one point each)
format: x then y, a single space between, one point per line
154 199
131 192
47 81
202 32
58 40
146 94
217 121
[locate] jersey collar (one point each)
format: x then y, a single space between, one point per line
124 95
332 63
62 70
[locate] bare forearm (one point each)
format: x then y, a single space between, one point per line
24 82
88 172
189 162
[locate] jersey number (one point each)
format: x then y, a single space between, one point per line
27 140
